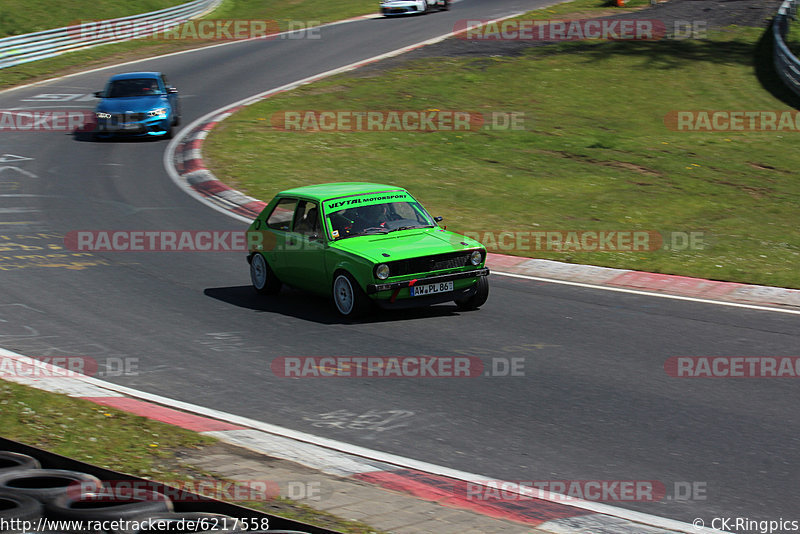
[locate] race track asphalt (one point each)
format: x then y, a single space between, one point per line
594 403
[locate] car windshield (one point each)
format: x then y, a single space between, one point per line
379 218
133 87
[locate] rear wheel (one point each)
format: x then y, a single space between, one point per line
350 300
262 277
478 299
446 5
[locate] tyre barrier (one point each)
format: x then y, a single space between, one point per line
103 506
21 507
37 484
12 461
46 485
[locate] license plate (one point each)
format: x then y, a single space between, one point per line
122 126
430 289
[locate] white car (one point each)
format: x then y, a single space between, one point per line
410 7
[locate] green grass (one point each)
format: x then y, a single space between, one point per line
27 16
299 10
596 154
88 432
126 443
281 12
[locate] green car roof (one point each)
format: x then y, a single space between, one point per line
322 192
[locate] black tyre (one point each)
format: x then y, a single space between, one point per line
478 299
46 484
446 6
108 505
349 298
20 507
14 461
261 275
185 523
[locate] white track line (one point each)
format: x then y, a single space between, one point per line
393 459
169 153
333 444
169 156
170 54
650 293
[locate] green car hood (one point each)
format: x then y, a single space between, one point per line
406 244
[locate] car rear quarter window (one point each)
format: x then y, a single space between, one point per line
306 219
281 216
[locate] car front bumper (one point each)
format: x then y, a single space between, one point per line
396 287
401 8
148 126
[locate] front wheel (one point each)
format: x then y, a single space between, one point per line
478 299
446 5
350 300
264 280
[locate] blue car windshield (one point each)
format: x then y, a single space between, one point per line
133 87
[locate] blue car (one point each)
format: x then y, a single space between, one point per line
137 103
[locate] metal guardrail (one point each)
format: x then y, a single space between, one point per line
19 49
786 64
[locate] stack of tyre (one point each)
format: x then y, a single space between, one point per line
29 494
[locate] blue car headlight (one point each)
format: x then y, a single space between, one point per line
161 113
102 115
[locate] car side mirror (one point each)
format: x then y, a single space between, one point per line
172 91
438 219
98 94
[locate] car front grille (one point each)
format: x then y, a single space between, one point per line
127 117
439 262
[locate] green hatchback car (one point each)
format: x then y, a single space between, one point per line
363 244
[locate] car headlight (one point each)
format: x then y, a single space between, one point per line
476 257
102 115
382 271
157 112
